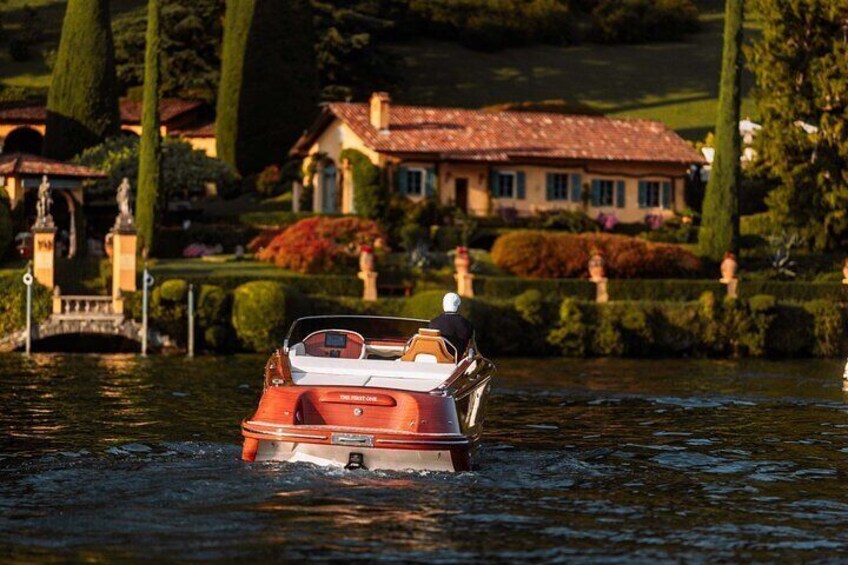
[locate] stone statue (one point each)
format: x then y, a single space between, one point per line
125 218
43 217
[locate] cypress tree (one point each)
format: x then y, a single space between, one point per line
150 149
268 87
720 222
82 105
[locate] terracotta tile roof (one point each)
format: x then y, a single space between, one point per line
203 130
169 108
477 135
23 112
26 164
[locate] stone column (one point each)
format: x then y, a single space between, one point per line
597 274
124 247
729 268
44 255
318 188
124 250
297 191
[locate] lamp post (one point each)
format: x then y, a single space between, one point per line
146 283
28 280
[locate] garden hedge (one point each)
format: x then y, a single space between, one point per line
256 315
13 301
262 311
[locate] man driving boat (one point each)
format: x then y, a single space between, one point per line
454 327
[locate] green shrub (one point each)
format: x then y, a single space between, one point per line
569 334
260 315
427 305
370 198
506 287
13 302
828 327
173 290
636 21
530 306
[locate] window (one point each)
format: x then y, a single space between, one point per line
558 186
603 192
653 194
505 185
415 182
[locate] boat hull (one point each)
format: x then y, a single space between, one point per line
457 459
383 428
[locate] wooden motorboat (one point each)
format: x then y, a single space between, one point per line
372 392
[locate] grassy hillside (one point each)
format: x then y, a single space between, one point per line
35 73
673 82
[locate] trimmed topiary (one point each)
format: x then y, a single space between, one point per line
260 315
425 305
174 290
150 151
719 231
268 88
82 104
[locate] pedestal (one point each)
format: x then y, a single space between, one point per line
464 284
732 287
369 291
124 247
601 294
44 255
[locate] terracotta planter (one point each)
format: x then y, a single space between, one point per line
729 267
845 271
366 260
597 269
462 261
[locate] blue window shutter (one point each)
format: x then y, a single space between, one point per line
619 194
666 194
521 189
493 183
549 179
596 192
402 180
643 194
430 182
576 188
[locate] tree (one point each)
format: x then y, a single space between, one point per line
800 64
268 86
190 48
151 144
82 105
720 223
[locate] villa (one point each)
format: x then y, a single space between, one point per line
482 161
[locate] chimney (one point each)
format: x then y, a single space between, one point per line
380 111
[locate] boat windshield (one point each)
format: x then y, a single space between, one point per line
372 328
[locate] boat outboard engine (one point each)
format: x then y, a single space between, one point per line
355 461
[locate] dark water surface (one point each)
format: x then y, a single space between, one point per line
595 461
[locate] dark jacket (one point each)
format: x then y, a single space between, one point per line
455 329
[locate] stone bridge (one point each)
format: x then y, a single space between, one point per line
84 315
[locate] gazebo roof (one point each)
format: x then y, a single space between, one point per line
27 164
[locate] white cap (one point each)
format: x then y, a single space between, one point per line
451 301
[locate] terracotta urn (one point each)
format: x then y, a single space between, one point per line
597 272
462 261
845 271
366 259
729 266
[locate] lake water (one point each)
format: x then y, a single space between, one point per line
119 457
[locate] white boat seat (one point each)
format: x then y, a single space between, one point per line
398 375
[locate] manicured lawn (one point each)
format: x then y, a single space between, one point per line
673 82
176 268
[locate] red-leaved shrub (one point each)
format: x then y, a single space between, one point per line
318 244
565 255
